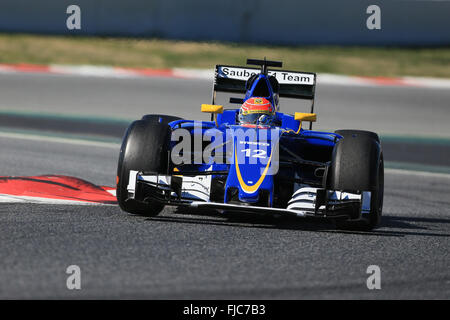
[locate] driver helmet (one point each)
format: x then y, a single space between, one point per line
257 111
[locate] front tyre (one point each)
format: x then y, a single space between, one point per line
144 148
357 165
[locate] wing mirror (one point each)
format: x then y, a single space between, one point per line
212 108
300 116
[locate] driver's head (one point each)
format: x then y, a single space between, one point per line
256 110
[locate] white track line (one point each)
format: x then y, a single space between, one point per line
113 192
6 198
418 173
32 137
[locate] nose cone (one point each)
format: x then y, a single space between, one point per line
254 162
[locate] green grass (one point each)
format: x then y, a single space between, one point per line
156 53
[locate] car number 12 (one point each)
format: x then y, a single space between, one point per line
255 153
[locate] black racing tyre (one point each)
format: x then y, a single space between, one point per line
357 165
347 132
161 118
144 148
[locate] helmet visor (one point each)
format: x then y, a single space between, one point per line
252 118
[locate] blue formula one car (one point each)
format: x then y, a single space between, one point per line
253 158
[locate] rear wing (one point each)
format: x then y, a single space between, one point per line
293 84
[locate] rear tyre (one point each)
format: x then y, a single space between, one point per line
159 118
347 132
357 165
144 148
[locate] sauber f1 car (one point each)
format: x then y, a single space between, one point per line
253 158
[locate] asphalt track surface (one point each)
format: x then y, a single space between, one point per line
202 255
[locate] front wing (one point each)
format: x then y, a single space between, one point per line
195 191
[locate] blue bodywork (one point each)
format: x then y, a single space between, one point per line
251 164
